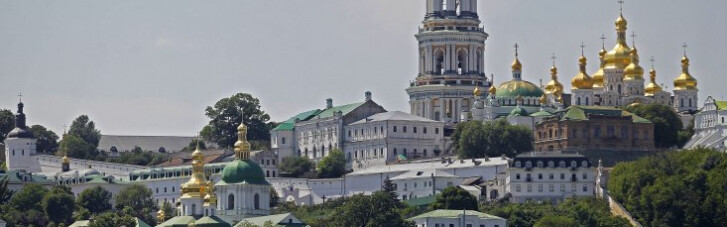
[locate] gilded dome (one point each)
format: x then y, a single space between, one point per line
515 88
492 90
197 184
553 86
243 171
598 75
543 99
652 88
685 81
65 159
516 65
634 71
620 55
582 80
477 91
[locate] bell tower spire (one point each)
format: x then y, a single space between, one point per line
242 146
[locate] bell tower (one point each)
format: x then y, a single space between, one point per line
451 49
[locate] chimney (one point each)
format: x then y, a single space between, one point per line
329 103
368 96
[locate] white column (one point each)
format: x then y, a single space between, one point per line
447 57
428 59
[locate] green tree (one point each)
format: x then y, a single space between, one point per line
378 209
77 148
112 219
193 145
47 140
455 198
7 123
475 139
226 115
274 197
296 166
553 220
59 204
5 192
169 210
137 200
666 122
85 129
389 187
96 200
29 198
333 165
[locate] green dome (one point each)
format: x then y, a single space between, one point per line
515 88
541 113
519 112
243 171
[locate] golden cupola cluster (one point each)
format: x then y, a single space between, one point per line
620 56
634 71
197 185
598 75
685 81
242 146
652 88
554 87
582 80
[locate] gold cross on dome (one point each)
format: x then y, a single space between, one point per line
553 57
685 48
652 61
582 46
516 47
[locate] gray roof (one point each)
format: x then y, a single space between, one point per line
147 143
392 116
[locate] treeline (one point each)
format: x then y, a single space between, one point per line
477 139
684 188
590 212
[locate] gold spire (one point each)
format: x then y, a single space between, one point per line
242 147
197 184
492 89
160 216
553 85
598 75
582 80
477 92
65 158
685 81
652 88
210 199
634 71
543 99
619 57
516 65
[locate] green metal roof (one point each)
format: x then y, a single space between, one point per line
581 113
515 88
345 109
242 171
289 125
541 113
422 201
276 220
178 221
211 221
140 223
721 105
454 214
518 111
81 223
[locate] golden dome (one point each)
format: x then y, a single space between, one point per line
598 75
492 90
160 216
582 80
197 184
516 65
477 91
620 55
543 99
685 81
553 85
210 199
652 88
65 159
242 146
634 71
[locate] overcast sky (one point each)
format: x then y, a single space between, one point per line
151 67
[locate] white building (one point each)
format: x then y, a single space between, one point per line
20 145
391 136
710 125
549 177
458 218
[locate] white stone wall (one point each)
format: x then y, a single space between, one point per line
541 187
18 153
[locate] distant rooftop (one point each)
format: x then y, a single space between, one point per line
392 116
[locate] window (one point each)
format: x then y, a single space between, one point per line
561 164
415 129
562 176
349 133
424 130
573 188
610 132
394 128
517 188
562 187
194 209
528 164
540 176
395 151
551 188
283 140
585 187
540 188
257 201
550 176
403 128
230 202
540 164
436 130
585 176
551 164
517 176
584 164
597 131
530 188
518 164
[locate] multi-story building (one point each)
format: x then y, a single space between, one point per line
594 128
451 218
391 136
552 177
710 125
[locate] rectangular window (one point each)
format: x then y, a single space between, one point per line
394 128
573 188
415 129
585 187
530 188
596 131
551 188
403 128
436 131
610 132
424 130
550 176
562 188
562 175
585 176
540 188
517 176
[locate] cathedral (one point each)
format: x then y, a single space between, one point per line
451 83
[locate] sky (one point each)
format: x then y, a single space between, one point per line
140 67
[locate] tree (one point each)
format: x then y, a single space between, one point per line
455 198
333 165
296 166
389 187
274 197
26 207
475 139
96 200
5 192
553 220
169 210
75 147
378 209
83 128
59 204
193 145
47 140
112 219
666 122
226 115
137 200
7 123
29 198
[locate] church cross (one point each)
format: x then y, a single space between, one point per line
553 57
633 38
582 46
652 61
603 41
20 96
516 47
685 48
620 6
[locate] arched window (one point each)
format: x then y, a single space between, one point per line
439 62
194 209
162 150
230 202
578 101
257 201
690 102
681 103
461 62
114 149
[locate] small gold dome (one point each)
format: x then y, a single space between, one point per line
65 159
685 81
477 91
516 65
621 23
598 75
652 88
634 71
493 89
620 55
543 99
582 80
553 85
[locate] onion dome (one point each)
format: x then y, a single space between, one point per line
685 81
516 65
620 56
210 199
582 80
161 216
516 88
553 86
598 75
65 159
634 71
21 130
242 169
197 184
518 111
477 91
492 90
652 88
